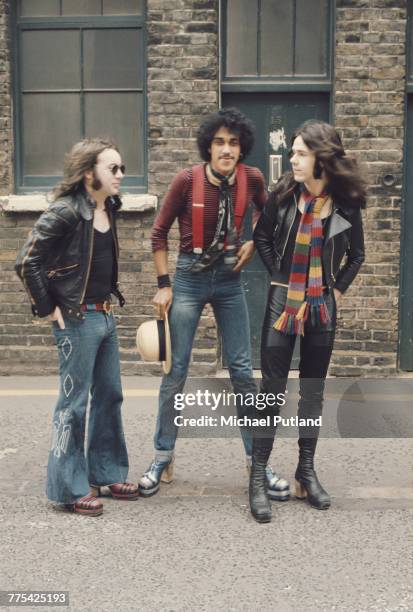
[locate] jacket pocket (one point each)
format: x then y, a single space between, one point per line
57 273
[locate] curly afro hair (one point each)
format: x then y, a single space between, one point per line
235 122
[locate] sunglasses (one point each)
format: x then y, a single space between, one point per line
114 169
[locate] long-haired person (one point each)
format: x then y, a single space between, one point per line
69 267
310 238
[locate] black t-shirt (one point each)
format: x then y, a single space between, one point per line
101 270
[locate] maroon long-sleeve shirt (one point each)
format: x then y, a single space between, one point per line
178 204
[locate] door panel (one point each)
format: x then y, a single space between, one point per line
276 116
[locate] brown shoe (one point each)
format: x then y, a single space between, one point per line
88 505
124 490
119 490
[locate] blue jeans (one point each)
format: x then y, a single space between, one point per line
89 363
221 287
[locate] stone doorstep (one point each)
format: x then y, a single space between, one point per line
38 203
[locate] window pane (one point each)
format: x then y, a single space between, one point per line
242 22
311 35
118 116
51 125
39 8
122 7
112 59
81 7
276 37
50 59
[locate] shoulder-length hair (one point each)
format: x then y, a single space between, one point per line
235 122
344 180
82 157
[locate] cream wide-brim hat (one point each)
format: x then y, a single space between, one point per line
153 341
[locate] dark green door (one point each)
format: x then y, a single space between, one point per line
276 115
406 291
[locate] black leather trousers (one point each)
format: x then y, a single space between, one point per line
315 352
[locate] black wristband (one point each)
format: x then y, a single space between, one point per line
164 281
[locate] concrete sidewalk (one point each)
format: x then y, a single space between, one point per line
194 546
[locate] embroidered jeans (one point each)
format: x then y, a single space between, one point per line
220 287
89 363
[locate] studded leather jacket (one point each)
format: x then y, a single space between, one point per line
344 239
54 263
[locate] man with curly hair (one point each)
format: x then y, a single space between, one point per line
210 201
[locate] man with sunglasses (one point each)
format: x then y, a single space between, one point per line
69 267
210 201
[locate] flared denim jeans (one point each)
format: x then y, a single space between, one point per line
89 364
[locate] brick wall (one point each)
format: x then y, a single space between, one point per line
10 302
182 86
370 68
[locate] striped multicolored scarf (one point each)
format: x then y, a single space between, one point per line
307 257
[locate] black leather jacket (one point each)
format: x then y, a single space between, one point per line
344 238
54 264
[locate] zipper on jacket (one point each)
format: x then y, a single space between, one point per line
332 246
115 238
332 260
289 230
52 273
89 266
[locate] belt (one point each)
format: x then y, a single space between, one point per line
105 306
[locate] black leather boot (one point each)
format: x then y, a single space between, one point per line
259 502
307 483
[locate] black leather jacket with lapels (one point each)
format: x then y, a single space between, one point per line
54 264
344 239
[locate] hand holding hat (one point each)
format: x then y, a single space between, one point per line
153 341
163 300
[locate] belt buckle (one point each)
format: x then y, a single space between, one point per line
107 307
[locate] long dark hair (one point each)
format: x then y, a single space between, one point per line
342 173
82 157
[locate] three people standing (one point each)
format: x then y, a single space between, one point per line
310 224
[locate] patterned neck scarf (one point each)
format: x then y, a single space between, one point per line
226 233
306 258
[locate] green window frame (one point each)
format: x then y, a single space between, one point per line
98 99
271 50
